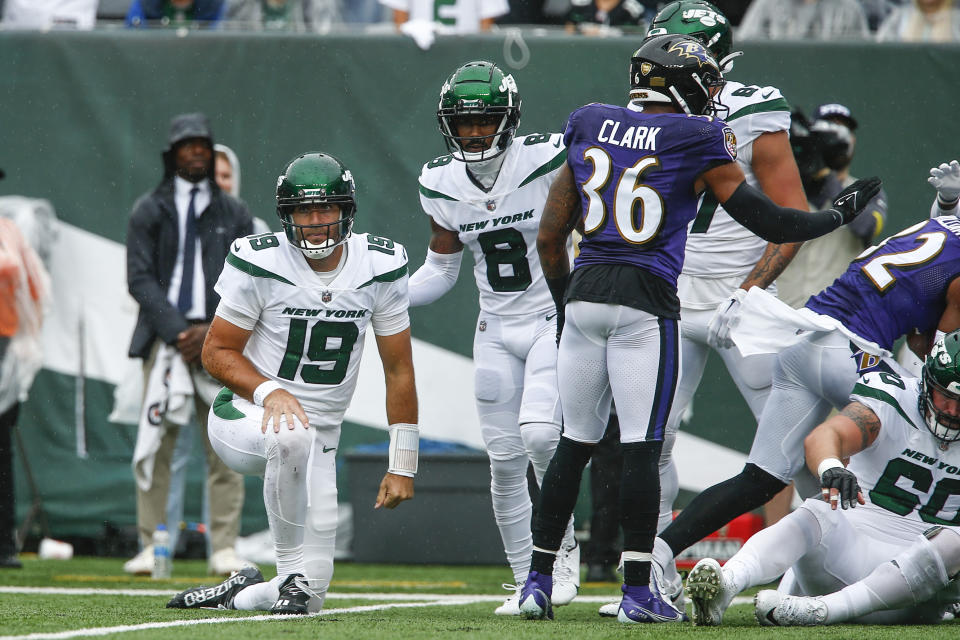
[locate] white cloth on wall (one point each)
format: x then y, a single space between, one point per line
49 14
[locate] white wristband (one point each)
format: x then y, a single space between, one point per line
266 388
404 447
828 463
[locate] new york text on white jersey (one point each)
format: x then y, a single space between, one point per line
500 226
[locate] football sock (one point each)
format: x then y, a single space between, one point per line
512 510
770 552
639 507
260 596
720 504
558 494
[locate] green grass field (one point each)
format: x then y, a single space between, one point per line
93 597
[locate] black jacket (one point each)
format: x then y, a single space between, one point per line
152 238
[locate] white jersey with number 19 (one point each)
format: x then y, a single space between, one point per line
307 335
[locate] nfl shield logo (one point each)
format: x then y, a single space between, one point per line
483 325
326 296
491 205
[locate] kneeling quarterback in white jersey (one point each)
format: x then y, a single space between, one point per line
892 560
286 343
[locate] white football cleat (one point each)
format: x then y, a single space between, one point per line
566 575
709 592
610 610
510 606
140 564
775 610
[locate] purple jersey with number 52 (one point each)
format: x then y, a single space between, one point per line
897 286
636 174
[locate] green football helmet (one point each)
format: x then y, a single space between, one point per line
314 178
701 20
479 88
941 372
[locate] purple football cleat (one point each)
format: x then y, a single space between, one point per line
535 597
643 604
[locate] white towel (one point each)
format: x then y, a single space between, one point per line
766 324
168 397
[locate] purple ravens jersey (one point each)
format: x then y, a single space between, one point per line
636 173
898 285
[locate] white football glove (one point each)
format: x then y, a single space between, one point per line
726 318
946 180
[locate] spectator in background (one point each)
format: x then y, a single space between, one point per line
459 16
24 284
49 14
922 21
283 15
803 20
820 261
177 240
606 17
227 174
175 13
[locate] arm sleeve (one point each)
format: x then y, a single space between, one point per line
437 276
390 313
754 210
236 316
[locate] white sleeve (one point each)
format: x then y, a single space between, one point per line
437 276
493 8
390 314
239 292
236 316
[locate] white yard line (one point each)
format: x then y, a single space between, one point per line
420 600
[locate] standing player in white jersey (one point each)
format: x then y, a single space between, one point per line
892 560
724 258
286 342
487 194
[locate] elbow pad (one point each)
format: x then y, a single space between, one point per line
437 276
758 213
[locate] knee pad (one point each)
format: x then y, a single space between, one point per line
923 568
947 544
290 446
540 438
825 516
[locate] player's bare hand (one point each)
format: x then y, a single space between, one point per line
839 487
281 405
394 489
190 342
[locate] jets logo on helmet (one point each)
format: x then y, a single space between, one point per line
316 179
701 20
941 374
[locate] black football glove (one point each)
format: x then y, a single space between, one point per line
845 482
852 200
